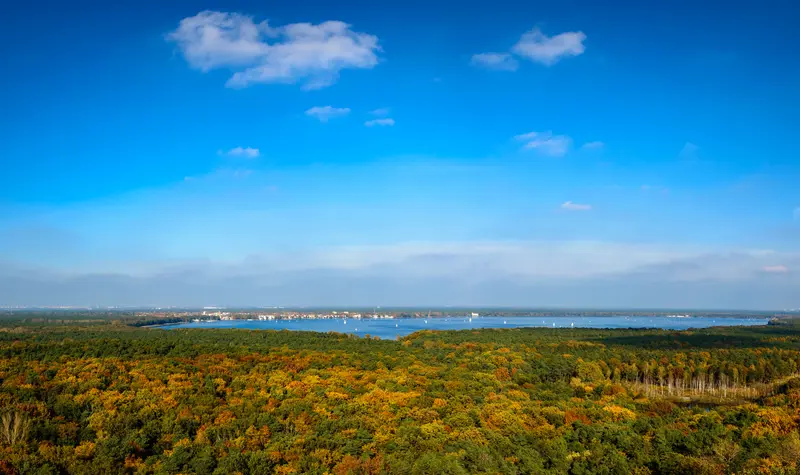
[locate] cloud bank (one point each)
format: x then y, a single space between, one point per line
570 273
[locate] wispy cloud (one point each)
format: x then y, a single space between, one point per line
570 206
593 145
548 50
220 174
655 188
546 143
310 54
689 151
496 61
327 112
776 269
241 173
382 122
380 112
240 152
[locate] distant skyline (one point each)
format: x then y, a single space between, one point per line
400 154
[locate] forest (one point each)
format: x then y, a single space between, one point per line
105 397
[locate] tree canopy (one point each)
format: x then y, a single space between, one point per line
95 397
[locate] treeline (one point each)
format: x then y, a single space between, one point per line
117 399
156 321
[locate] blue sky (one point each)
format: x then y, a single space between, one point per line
249 153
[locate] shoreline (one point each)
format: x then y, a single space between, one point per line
475 323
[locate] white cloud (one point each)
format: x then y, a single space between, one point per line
775 269
496 61
593 145
570 206
548 50
380 112
313 55
384 122
689 151
241 152
327 112
546 143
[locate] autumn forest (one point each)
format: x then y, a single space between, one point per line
106 397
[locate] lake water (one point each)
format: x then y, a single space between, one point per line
392 328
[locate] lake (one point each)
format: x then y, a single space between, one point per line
393 328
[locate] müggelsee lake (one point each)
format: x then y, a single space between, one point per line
396 327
